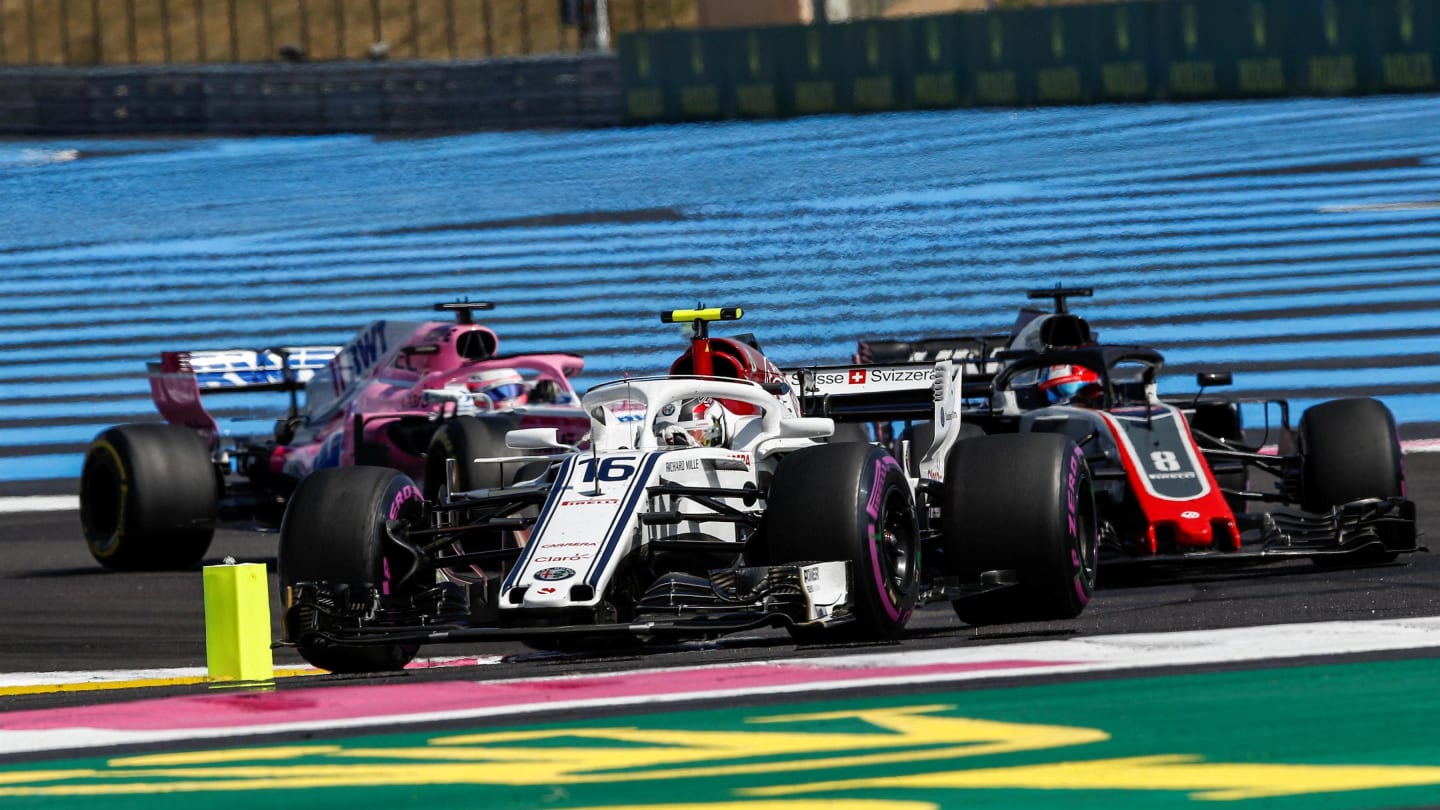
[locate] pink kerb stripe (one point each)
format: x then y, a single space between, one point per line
238 710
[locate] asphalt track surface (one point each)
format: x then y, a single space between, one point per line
65 613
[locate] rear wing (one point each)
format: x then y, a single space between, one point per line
865 393
893 392
278 369
899 392
977 349
177 380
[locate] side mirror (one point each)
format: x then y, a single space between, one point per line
534 439
1206 379
807 427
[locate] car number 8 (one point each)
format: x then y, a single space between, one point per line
1165 461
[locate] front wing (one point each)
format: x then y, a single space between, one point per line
1361 531
677 606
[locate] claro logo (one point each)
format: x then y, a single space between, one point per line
562 558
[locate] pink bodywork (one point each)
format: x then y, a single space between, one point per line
374 381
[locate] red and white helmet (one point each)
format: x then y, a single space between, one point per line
693 423
1070 385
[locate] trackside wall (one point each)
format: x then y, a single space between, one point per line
1162 50
564 92
1155 50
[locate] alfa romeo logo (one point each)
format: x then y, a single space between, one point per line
553 574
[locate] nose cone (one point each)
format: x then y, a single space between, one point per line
550 587
1192 530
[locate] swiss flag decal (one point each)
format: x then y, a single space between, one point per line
857 376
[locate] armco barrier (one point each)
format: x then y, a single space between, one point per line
565 92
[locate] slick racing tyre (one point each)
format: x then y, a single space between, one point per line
466 438
922 434
148 497
1022 503
849 432
1349 450
334 532
849 502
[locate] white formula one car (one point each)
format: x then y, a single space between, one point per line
700 503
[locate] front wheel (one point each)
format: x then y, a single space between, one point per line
1021 502
849 502
334 532
1349 450
149 497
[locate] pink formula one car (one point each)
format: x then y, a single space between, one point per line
405 395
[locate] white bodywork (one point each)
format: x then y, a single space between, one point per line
590 521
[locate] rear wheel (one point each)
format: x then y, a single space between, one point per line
849 432
849 502
465 439
922 434
1349 450
1024 503
148 497
334 532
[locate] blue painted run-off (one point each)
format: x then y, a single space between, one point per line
1294 239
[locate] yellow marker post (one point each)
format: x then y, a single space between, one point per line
237 623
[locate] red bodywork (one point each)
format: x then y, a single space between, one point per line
727 357
1190 523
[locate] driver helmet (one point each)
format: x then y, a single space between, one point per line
503 387
1071 385
692 423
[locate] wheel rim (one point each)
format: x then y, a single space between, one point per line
100 509
1085 551
898 547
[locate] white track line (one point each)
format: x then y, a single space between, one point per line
39 503
10 680
1095 654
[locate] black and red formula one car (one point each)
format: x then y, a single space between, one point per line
1177 478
